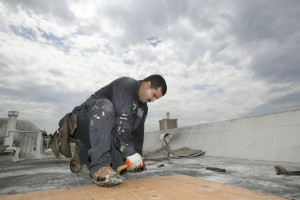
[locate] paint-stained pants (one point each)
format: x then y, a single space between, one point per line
94 129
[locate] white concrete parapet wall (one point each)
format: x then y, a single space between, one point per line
272 137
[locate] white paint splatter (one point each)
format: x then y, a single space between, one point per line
123 147
134 105
96 116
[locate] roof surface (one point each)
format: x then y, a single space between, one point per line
49 173
175 187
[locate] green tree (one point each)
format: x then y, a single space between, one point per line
44 133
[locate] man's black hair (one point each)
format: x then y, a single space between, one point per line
156 82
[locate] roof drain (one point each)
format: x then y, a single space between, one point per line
166 137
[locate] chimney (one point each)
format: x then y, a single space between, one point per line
11 127
168 123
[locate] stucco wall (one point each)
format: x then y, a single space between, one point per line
273 137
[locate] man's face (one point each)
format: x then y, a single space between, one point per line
147 94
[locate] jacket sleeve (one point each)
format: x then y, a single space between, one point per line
123 119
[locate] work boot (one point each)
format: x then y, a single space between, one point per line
106 177
54 144
75 165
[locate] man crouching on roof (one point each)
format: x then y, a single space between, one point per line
108 128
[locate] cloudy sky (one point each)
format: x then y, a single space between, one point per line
221 59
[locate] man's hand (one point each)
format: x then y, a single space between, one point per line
134 161
140 169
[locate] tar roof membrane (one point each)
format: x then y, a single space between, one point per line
49 173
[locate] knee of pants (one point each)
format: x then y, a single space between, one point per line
105 106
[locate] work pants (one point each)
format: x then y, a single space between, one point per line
94 129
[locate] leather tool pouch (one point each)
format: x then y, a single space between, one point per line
72 123
71 120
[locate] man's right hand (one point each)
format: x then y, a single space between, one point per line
134 161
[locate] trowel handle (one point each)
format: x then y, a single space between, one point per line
121 168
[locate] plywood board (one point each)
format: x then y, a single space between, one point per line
164 187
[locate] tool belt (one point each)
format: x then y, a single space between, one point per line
68 123
59 143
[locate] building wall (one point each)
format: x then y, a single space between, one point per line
273 137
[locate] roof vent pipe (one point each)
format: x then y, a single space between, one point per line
166 137
168 115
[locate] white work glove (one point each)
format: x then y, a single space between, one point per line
134 161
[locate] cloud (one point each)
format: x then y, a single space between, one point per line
56 8
271 37
277 63
221 60
281 104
